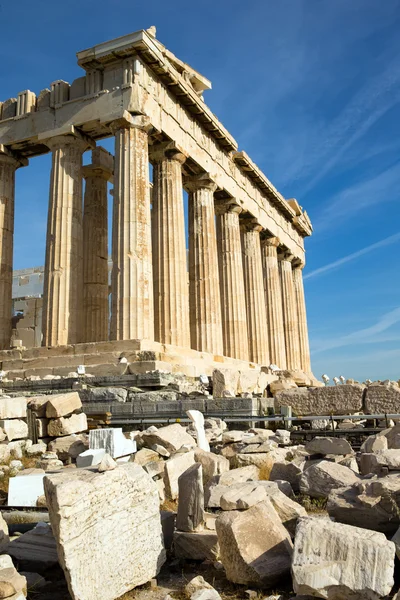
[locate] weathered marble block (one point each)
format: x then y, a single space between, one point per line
62 405
67 425
114 519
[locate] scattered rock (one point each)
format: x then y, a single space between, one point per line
319 479
113 518
171 437
62 405
254 545
319 566
190 515
107 464
328 445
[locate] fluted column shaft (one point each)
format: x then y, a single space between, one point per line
273 302
305 362
204 291
233 299
255 297
63 277
95 247
290 323
8 166
171 287
132 278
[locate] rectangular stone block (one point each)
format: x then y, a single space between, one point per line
62 405
13 408
15 429
114 519
90 458
67 425
25 490
174 467
112 440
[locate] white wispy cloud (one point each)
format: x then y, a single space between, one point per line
392 239
362 336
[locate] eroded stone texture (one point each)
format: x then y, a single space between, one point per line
273 301
382 398
318 480
204 288
233 300
338 400
190 515
63 278
171 291
254 545
255 297
336 561
111 517
132 274
95 246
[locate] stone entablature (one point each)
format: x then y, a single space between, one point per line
136 74
240 291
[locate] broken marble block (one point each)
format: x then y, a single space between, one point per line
62 405
113 441
69 446
24 490
15 429
255 547
111 517
67 425
174 467
12 585
13 408
190 515
172 437
90 458
196 545
332 560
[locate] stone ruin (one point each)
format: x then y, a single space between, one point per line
239 300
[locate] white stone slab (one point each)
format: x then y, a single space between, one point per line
24 491
13 408
112 440
90 458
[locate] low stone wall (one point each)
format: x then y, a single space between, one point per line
338 400
376 398
382 398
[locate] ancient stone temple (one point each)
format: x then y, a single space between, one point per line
235 297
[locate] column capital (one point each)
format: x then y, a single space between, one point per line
166 150
64 141
10 157
298 264
273 242
285 255
129 121
250 224
198 182
227 206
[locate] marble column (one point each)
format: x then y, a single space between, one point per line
273 301
233 299
132 273
290 323
305 362
63 277
204 291
8 165
171 287
95 246
255 297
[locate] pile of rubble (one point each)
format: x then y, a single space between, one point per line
125 504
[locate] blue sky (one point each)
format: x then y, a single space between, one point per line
311 90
